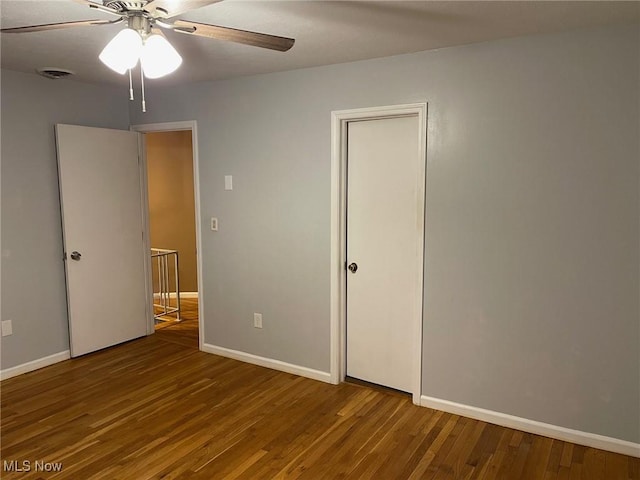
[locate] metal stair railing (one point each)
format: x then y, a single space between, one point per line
162 298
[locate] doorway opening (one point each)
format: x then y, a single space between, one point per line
169 172
172 226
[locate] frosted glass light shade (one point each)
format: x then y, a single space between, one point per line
158 57
123 51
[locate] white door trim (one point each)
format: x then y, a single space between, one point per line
339 121
172 127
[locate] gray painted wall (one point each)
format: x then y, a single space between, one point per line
532 256
33 288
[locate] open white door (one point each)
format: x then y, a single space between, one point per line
100 197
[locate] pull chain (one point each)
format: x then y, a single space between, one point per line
144 104
130 86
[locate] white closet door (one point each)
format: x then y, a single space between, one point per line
384 242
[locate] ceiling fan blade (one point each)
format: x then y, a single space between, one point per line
99 6
158 31
263 40
57 26
171 8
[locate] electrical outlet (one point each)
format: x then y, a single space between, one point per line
7 328
214 224
257 320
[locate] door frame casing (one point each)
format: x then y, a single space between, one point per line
192 126
338 302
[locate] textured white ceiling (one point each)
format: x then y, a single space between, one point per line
325 32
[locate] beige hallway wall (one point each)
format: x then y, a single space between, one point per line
171 200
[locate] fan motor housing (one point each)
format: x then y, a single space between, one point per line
125 6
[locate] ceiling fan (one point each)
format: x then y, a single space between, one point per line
143 40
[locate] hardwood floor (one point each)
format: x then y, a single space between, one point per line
156 408
184 332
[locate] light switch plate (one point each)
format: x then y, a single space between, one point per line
228 182
7 328
214 224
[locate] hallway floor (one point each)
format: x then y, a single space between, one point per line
184 332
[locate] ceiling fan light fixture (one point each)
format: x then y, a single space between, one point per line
123 51
158 57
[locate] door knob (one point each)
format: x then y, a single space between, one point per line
353 267
75 255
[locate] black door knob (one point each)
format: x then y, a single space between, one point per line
353 267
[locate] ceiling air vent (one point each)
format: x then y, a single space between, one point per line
54 73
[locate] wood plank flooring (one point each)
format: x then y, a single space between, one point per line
157 408
184 332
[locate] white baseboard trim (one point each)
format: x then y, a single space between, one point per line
34 365
156 296
531 426
268 362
